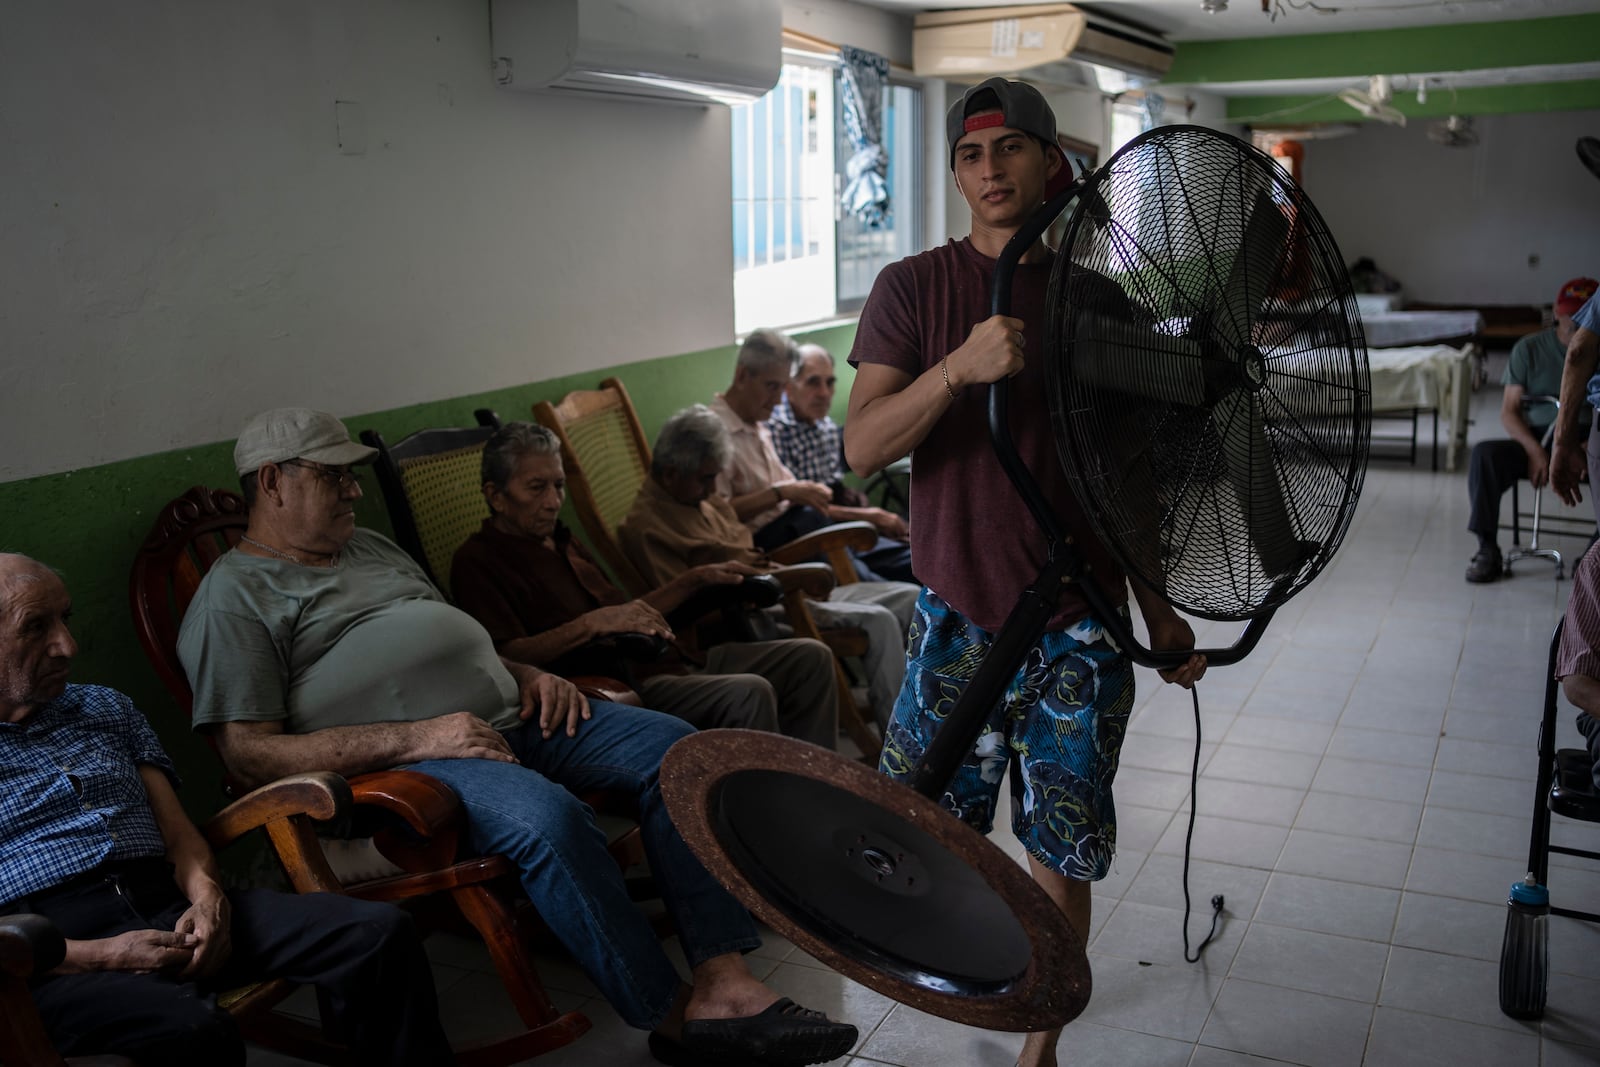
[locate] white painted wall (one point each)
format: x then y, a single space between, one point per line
1459 224
186 244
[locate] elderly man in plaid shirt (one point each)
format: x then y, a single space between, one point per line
810 444
92 837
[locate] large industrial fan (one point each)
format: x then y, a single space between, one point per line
1208 390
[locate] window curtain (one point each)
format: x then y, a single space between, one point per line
1155 110
863 78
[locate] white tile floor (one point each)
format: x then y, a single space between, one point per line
1364 804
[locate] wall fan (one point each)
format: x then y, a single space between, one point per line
1374 102
1456 131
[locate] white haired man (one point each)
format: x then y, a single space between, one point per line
93 837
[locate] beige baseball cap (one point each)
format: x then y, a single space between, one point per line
297 433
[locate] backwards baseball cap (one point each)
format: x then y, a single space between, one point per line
1574 295
296 433
1021 108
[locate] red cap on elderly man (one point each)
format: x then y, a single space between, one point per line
1574 295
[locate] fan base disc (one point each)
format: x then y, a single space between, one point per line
876 880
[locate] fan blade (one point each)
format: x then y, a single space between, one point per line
1255 267
1151 365
1248 460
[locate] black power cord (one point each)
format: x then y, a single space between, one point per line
1188 841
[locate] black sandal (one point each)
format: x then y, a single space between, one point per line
785 1035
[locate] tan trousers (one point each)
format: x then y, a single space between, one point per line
780 686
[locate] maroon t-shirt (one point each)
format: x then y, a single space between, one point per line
975 541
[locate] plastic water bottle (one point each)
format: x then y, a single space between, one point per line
1524 954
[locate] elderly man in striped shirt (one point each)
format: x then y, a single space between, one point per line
811 445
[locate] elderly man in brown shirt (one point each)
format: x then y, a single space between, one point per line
678 522
545 601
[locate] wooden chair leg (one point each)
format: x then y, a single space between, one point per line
508 948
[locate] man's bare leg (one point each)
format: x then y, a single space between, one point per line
1072 897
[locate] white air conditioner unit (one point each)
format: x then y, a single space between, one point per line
1047 43
675 51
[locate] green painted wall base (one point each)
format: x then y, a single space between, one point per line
89 523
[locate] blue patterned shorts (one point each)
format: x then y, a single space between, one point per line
1059 727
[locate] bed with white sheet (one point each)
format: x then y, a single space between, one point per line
1387 325
1416 380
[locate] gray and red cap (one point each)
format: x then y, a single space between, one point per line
1022 107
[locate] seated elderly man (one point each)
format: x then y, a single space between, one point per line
1535 370
767 495
677 523
315 645
92 837
543 599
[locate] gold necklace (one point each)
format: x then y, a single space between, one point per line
281 554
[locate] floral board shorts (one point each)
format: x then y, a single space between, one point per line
1059 727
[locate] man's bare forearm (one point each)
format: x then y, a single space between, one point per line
751 504
194 865
1520 432
259 758
887 426
1575 375
539 649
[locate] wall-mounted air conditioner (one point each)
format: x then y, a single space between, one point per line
677 51
1049 43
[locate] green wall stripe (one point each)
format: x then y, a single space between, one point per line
89 523
1493 100
1419 50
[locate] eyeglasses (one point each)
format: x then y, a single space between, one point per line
339 479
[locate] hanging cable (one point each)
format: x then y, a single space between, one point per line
1188 841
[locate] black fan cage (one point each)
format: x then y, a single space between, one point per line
1207 372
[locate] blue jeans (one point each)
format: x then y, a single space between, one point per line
529 814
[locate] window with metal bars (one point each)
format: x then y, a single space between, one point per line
797 257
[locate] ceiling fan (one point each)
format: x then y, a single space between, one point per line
1374 102
1456 131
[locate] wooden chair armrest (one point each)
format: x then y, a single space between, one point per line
424 804
596 687
756 591
841 535
418 821
813 579
319 795
29 945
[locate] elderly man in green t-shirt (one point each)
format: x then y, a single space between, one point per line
1534 371
317 646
